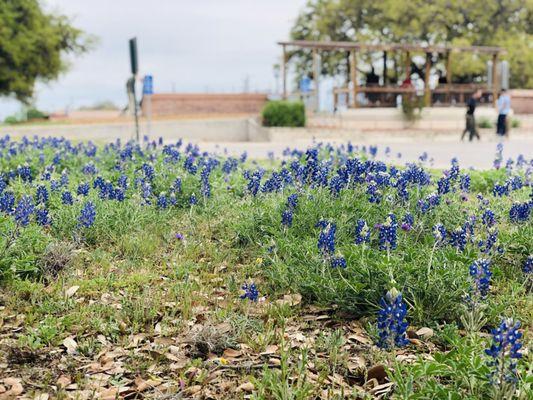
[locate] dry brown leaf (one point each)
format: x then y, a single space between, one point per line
63 381
246 387
377 372
15 388
71 291
231 353
70 345
270 349
425 332
142 385
108 394
359 338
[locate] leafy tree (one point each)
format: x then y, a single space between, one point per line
33 46
506 23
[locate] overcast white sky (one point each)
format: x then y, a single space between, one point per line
191 45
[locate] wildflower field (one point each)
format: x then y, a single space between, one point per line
157 271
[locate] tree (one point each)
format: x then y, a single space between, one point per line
506 23
33 46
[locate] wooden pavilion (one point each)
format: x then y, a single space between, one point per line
445 91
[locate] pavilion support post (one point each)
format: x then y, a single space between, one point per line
284 71
353 77
316 75
449 76
427 91
495 85
385 68
407 65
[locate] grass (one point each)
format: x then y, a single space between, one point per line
167 308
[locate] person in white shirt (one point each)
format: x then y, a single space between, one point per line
504 108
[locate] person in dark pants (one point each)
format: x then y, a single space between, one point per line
504 108
471 127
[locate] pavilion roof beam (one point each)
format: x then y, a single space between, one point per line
331 45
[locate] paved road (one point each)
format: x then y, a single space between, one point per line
479 155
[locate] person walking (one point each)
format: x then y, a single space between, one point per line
504 108
471 127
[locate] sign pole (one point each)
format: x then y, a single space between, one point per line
148 90
134 69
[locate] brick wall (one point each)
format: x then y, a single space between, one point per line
522 101
199 103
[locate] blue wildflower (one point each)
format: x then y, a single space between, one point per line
338 262
388 233
41 195
362 232
66 198
520 212
24 210
326 238
87 215
504 351
391 323
286 218
250 292
481 274
42 217
83 189
528 265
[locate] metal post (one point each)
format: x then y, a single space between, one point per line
284 71
134 70
385 68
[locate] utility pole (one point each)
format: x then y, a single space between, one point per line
134 69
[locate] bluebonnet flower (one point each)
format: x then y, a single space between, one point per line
42 195
148 171
64 178
326 238
458 238
362 232
407 222
520 212
488 218
528 265
498 158
189 165
286 218
87 215
443 185
250 292
254 181
481 274
388 233
162 200
338 262
179 236
7 202
24 210
292 201
193 200
123 181
66 198
24 171
504 351
500 190
83 189
440 233
42 217
89 169
464 183
391 323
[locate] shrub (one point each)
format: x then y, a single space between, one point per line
34 113
484 123
284 113
515 123
11 120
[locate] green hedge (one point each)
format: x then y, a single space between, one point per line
284 113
